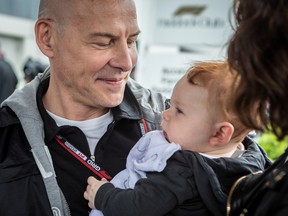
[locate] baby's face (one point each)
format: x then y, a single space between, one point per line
187 122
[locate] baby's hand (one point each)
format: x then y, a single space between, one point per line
92 188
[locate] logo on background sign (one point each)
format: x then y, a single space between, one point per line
189 10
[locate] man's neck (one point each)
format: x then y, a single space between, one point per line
65 107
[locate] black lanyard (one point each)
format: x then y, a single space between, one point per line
90 164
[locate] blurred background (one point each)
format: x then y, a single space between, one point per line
17 19
175 34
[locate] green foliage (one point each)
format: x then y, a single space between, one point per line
272 145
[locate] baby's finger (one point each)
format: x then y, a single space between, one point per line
91 205
86 195
104 180
91 180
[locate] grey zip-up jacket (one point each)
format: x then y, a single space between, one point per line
24 104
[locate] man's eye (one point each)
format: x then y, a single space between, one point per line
103 44
131 43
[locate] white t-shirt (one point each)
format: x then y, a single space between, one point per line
93 129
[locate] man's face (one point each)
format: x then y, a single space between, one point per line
95 51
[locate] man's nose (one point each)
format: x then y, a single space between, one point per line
124 57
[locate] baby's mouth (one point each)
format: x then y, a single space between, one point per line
165 135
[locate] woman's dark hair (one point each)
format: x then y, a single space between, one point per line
258 51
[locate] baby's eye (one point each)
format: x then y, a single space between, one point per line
179 111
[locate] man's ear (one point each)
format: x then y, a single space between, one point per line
43 34
222 134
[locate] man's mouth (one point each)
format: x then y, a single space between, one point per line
112 81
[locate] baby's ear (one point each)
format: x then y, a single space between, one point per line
222 134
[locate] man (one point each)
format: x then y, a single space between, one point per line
8 79
50 128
